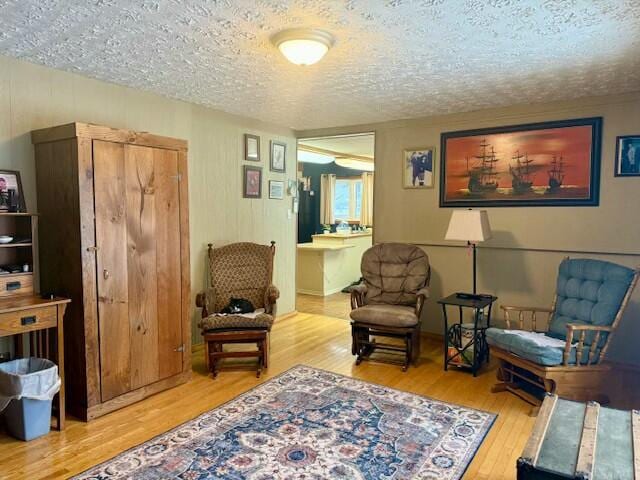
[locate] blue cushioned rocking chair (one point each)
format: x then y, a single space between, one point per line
565 355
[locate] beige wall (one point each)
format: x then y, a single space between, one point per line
519 264
34 97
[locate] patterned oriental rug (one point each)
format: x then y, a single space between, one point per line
310 424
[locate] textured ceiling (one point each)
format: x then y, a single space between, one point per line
392 59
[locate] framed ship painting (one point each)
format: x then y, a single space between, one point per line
538 164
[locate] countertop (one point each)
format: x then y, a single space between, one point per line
322 246
342 235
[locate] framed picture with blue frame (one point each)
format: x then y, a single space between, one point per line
554 163
627 156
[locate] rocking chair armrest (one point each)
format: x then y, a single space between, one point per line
357 295
206 300
583 329
595 328
421 297
271 295
507 309
526 309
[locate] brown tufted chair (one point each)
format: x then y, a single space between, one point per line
389 301
239 270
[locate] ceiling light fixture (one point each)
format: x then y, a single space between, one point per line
303 46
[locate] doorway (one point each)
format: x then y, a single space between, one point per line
335 219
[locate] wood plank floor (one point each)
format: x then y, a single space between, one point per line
310 339
335 305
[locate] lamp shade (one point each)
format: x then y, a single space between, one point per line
469 225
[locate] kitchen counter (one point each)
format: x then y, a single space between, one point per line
330 262
322 236
320 246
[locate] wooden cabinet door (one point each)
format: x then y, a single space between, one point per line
109 185
153 256
139 288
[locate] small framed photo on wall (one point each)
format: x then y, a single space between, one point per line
417 167
251 147
276 189
278 156
628 156
252 182
11 194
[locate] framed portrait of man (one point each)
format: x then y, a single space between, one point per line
628 156
417 167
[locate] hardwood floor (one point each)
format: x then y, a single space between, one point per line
336 305
311 339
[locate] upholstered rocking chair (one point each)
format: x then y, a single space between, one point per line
389 301
243 271
564 354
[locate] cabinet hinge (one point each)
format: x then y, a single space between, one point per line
179 349
178 177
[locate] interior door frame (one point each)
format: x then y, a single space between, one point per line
341 132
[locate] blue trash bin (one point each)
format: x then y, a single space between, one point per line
28 384
27 419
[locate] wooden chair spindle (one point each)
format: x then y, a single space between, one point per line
567 348
594 347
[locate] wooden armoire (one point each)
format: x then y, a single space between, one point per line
114 237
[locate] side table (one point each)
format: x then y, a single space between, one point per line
41 319
453 335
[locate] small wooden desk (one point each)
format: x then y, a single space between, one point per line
37 317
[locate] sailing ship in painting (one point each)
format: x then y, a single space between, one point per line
484 176
556 174
521 176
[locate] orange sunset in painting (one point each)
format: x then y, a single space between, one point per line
543 164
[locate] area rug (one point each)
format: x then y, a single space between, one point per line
310 424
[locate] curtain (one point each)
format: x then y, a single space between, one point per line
366 209
327 194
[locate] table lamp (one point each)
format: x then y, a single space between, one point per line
471 226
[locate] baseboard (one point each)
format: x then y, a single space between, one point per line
135 396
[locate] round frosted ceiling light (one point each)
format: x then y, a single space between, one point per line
303 46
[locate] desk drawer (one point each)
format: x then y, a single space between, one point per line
27 320
16 285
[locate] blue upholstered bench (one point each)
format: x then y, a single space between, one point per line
565 353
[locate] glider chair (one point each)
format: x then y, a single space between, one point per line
563 352
239 271
389 301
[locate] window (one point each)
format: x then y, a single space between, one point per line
347 201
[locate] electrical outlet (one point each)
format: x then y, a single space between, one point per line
5 357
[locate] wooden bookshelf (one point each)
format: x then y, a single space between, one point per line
21 226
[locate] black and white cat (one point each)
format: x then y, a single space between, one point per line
238 305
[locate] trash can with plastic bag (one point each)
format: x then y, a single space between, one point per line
27 387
